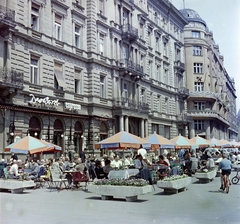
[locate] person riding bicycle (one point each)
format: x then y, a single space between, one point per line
226 166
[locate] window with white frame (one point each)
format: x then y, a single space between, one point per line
142 96
35 17
77 34
199 105
159 104
198 68
196 34
166 105
158 74
178 54
102 86
58 27
141 31
101 43
150 69
198 86
34 70
197 50
156 17
165 75
157 44
77 78
142 61
199 125
59 81
101 6
125 90
165 48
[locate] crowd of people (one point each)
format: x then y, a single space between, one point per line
166 164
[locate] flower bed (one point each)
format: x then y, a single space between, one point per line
130 189
175 183
205 175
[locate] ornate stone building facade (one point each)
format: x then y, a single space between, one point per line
212 94
74 72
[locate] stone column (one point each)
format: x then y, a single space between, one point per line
146 127
192 131
121 123
142 128
126 124
208 130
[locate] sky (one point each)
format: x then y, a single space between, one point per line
223 19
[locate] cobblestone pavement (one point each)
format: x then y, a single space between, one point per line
200 203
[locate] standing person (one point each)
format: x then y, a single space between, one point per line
82 155
226 166
14 157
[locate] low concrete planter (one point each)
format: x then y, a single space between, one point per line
16 186
206 177
129 192
174 186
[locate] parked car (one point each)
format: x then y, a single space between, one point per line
211 151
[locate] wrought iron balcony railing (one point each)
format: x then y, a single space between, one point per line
10 78
6 14
130 32
131 66
130 104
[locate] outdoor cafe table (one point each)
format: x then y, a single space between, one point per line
122 174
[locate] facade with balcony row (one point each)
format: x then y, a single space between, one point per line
83 72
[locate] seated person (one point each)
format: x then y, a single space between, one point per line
13 172
164 167
35 170
107 168
116 163
139 162
99 170
3 164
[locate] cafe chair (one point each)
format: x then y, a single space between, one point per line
78 178
56 180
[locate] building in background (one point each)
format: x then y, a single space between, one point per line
212 94
74 72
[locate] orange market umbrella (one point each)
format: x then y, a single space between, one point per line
199 142
30 145
158 141
182 142
123 140
225 143
214 142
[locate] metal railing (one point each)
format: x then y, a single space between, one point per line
6 13
132 66
130 30
130 104
11 77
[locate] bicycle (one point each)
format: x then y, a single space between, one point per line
226 183
236 178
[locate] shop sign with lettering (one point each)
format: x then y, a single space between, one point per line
36 101
72 106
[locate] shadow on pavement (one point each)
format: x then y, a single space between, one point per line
217 191
116 199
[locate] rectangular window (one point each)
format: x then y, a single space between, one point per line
58 27
150 69
142 62
35 17
142 96
165 76
197 50
101 6
34 70
125 90
195 34
77 36
198 68
158 73
199 105
157 48
102 86
149 39
165 49
159 104
59 81
178 54
141 31
198 86
77 78
166 106
101 44
199 125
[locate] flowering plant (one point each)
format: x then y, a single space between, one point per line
205 170
121 182
175 177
